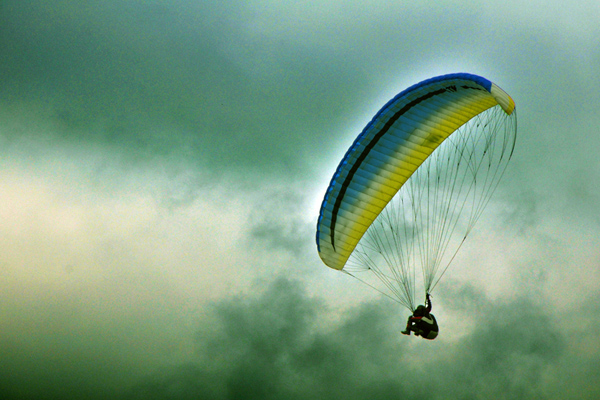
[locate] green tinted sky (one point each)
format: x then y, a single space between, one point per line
161 168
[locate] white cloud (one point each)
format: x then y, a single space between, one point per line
90 250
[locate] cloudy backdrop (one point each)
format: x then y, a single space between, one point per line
162 164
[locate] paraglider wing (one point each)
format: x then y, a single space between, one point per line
395 143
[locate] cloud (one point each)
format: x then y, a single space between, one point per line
280 343
277 341
120 74
278 220
506 355
232 88
158 155
272 345
101 275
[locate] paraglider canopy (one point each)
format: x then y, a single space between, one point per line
428 149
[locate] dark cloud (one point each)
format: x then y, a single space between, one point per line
157 79
276 342
273 346
507 355
236 86
277 225
276 345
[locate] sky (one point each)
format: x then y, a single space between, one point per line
162 164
